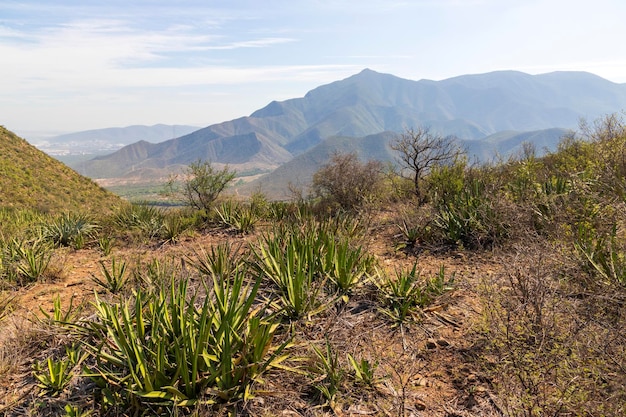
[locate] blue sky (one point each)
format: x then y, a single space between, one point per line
70 65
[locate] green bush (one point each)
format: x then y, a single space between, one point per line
201 185
471 218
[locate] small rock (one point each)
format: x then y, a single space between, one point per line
442 342
422 382
420 405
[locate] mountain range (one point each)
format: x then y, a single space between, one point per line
111 139
493 112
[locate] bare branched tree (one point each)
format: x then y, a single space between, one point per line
420 150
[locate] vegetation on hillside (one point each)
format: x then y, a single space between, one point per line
31 179
501 292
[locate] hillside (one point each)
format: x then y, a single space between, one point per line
471 107
299 171
31 179
501 293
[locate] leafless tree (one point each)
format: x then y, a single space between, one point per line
420 150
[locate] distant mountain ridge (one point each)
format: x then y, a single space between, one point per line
113 138
471 107
299 171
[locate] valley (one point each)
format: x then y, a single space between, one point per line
320 282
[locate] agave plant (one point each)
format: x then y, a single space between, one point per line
70 229
58 315
239 217
363 370
290 262
326 373
5 304
222 260
113 279
55 376
27 261
174 348
601 254
402 297
345 266
143 217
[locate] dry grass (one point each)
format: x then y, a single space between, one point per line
412 376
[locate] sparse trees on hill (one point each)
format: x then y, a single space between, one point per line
420 150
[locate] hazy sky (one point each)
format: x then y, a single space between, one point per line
70 65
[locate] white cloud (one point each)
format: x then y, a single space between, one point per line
68 57
110 53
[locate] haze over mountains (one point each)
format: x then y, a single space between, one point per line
110 139
492 112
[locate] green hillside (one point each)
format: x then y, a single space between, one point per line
31 179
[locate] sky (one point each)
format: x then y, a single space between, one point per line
72 65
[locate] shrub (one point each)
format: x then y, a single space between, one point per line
546 352
446 181
347 183
201 185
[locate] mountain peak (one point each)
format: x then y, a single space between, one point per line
369 102
369 74
367 71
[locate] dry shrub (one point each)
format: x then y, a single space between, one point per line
347 183
546 353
